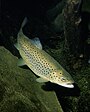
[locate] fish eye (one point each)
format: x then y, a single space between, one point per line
63 79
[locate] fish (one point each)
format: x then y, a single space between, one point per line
40 62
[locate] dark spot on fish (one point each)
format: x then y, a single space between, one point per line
51 76
52 68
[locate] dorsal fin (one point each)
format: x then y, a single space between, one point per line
36 42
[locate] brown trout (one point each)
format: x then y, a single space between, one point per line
40 62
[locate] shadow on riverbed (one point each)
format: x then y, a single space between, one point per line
62 91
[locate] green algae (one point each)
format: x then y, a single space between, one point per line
19 91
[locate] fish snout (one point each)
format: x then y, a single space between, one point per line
67 84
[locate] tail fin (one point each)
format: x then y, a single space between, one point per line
23 24
20 33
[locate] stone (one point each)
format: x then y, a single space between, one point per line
19 91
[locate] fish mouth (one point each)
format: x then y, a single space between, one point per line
68 85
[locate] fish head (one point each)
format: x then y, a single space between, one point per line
62 78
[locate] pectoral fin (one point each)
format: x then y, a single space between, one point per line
41 80
21 62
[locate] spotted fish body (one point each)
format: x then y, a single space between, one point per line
41 63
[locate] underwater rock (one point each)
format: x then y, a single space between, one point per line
55 17
72 20
86 5
19 91
57 24
88 40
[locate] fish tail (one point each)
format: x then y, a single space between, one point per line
23 24
20 33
